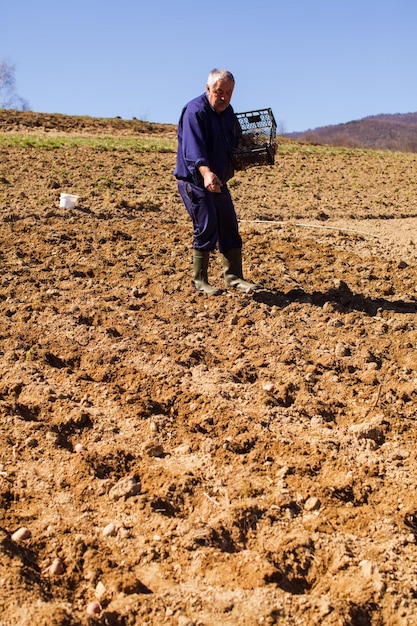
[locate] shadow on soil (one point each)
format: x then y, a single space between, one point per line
342 297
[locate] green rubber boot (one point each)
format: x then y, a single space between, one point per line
233 273
201 263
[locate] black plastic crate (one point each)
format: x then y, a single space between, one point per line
256 138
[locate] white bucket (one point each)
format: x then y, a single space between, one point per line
67 201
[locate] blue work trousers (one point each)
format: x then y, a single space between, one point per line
213 216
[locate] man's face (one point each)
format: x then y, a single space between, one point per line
220 94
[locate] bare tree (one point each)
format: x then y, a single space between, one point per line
9 99
281 130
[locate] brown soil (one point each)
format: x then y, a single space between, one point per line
251 457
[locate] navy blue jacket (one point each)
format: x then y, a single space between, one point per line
205 137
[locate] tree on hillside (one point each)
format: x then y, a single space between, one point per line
9 99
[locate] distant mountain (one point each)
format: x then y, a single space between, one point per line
396 132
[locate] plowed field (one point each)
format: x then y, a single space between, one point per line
192 461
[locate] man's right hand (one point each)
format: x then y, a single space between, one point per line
211 181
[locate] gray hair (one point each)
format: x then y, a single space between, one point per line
216 75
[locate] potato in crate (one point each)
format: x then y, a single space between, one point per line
256 131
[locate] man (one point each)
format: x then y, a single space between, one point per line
206 137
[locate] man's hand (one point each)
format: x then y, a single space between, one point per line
211 181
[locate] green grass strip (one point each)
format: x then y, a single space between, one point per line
135 144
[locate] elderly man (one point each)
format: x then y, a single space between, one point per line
206 137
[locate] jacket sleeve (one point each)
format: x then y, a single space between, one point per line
194 143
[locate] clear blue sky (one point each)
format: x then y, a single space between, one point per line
314 62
